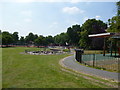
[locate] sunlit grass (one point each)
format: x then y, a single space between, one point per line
38 71
93 52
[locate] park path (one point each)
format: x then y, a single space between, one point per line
70 63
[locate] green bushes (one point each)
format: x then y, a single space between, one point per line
66 50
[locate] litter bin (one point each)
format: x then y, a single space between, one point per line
78 55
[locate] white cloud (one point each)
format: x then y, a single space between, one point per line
28 20
97 17
74 23
72 10
85 18
27 16
27 13
54 24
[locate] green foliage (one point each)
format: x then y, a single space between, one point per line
66 50
40 40
15 37
22 40
49 40
114 22
84 39
61 39
74 34
7 38
30 38
92 26
118 8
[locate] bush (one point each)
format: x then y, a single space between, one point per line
66 50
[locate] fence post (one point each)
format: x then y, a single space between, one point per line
93 60
78 55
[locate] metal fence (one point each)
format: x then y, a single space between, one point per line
103 62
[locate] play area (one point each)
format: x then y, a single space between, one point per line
104 62
107 60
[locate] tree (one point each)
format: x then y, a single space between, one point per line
15 37
73 34
114 22
35 36
30 38
83 42
6 38
40 40
61 39
92 26
22 40
118 8
49 40
113 26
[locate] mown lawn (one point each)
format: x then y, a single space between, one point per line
38 71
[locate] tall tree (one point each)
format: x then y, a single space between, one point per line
49 40
118 8
92 26
30 38
74 34
61 39
15 37
114 22
40 41
7 38
22 40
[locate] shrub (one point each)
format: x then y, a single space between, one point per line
66 50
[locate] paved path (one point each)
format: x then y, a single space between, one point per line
70 62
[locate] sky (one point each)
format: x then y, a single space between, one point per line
51 17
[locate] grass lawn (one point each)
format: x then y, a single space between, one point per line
38 71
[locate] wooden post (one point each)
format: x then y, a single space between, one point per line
115 47
93 60
104 48
111 48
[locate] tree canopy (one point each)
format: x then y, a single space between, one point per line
61 39
92 26
6 38
15 37
74 34
114 22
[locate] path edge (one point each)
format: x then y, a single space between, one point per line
82 72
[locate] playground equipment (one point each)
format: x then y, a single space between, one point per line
116 40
